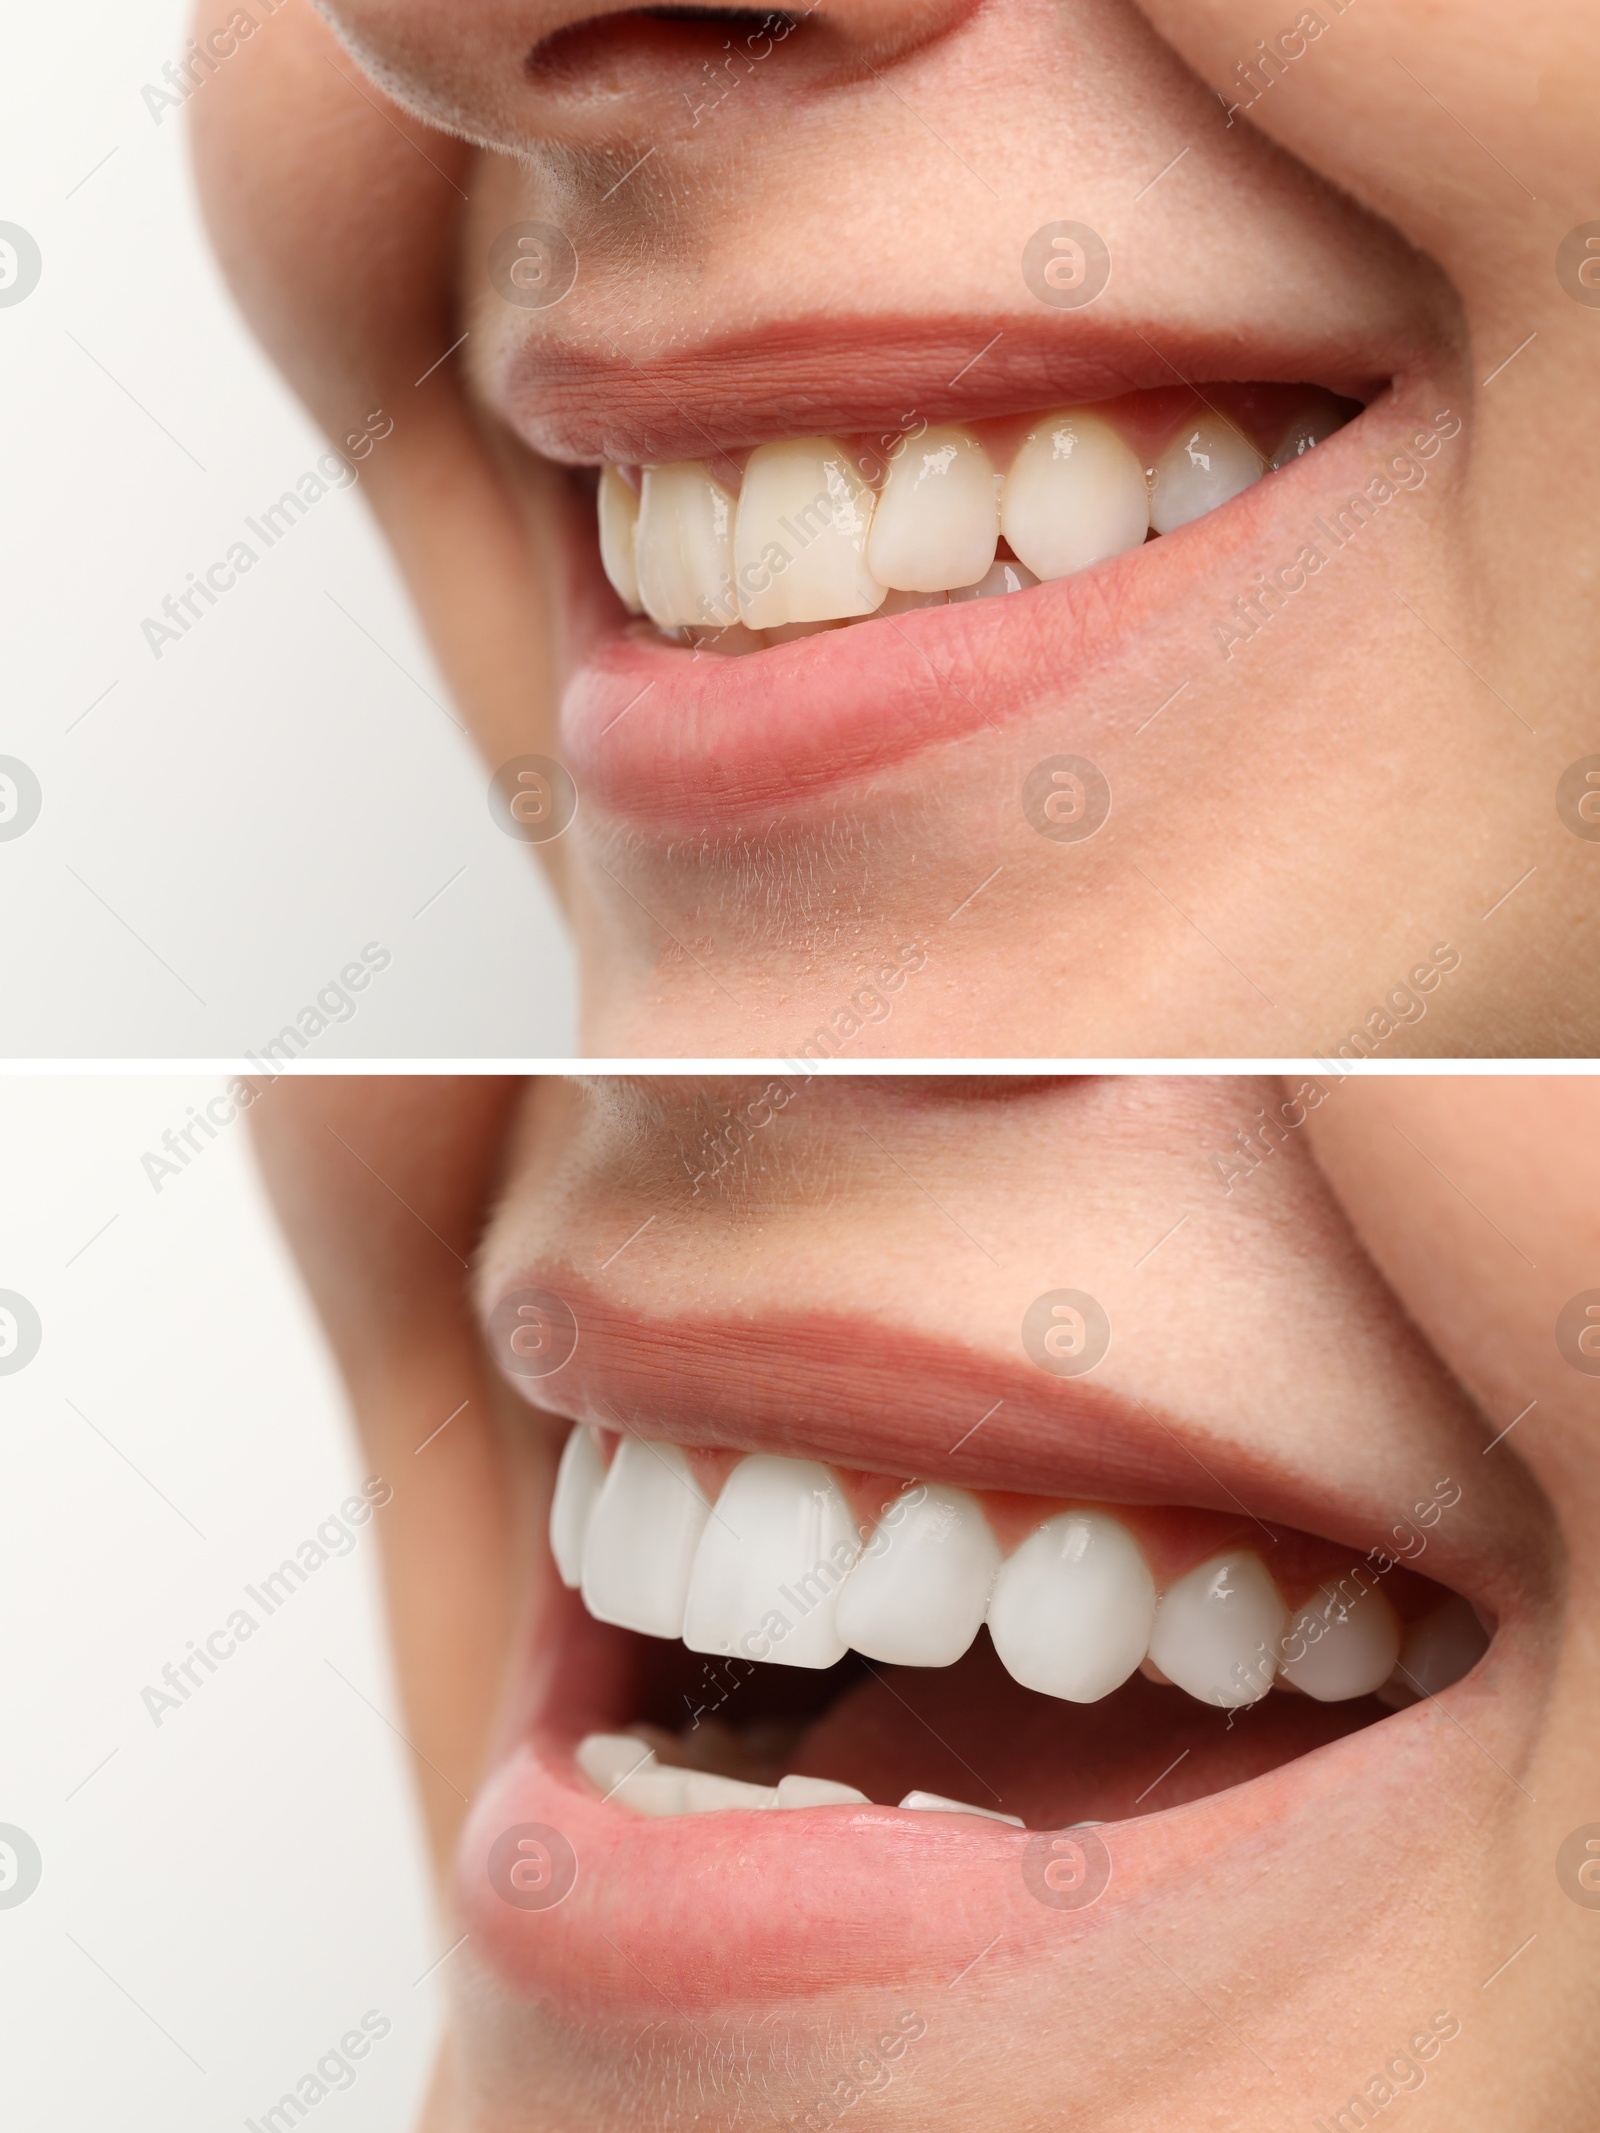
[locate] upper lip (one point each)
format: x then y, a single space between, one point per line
864 1395
581 398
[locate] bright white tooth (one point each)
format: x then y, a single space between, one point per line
579 1479
1349 1647
769 1565
1440 1647
641 1539
624 1770
619 516
1301 435
937 517
818 1792
936 1803
1003 576
705 1791
1201 468
1071 1610
1075 495
917 1594
800 539
1218 1629
684 547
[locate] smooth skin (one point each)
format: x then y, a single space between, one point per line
1375 1300
1373 774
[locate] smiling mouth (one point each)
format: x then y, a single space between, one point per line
841 1640
741 551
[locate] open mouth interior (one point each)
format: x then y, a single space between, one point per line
741 550
793 1635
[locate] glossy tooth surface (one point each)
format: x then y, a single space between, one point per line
1309 430
770 1564
1202 467
625 1771
917 1595
1350 1647
704 1792
618 508
684 546
1440 1647
800 537
937 516
1001 577
641 1539
818 1792
1217 1630
1072 1609
936 1803
579 1480
1075 495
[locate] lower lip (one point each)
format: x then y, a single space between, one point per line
665 738
704 1914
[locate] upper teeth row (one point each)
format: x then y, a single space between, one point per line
778 1570
808 540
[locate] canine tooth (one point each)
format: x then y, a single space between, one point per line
1072 1609
624 1769
1307 430
800 537
618 509
937 517
704 1792
684 547
818 1792
1002 576
767 1572
1217 1630
1201 468
918 1591
1075 495
579 1480
1440 1647
936 1803
1349 1647
641 1539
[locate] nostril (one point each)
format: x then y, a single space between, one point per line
582 49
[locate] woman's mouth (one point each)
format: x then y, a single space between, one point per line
797 1720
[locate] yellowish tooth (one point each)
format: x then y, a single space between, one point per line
800 540
938 517
1205 465
619 519
684 547
1074 496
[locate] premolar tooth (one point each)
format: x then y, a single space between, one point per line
937 517
684 547
818 1792
800 538
936 1803
1218 1629
641 1539
704 1792
770 1564
1348 1647
624 1770
1201 468
917 1595
1003 576
579 1479
1440 1647
1072 1609
619 518
1075 495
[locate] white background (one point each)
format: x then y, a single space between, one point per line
278 789
245 1877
